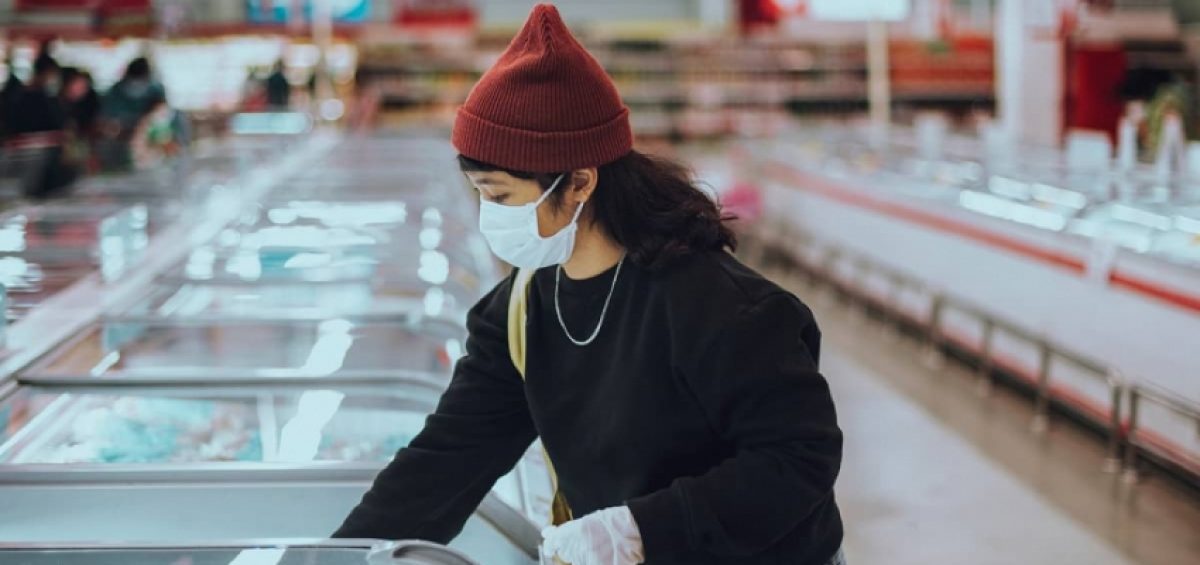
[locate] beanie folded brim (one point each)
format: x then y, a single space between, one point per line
539 151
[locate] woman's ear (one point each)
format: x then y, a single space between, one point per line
583 183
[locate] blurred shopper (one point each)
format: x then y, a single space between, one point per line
81 102
160 135
135 92
675 390
37 109
38 127
279 90
122 108
364 110
8 98
81 108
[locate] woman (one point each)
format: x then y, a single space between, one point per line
676 391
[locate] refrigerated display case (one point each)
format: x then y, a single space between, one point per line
180 351
153 464
1141 211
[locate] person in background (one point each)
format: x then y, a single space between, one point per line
132 97
81 107
8 97
81 102
279 90
39 124
122 109
676 391
364 111
37 108
159 136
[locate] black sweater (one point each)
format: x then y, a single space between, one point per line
699 406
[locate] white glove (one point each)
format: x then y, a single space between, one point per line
606 537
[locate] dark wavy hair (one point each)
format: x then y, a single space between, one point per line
649 205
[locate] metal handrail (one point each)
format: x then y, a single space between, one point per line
942 301
1138 392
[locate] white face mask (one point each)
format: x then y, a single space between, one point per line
512 233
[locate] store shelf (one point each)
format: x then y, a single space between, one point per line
713 73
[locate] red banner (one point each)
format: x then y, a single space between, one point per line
123 6
435 13
50 18
57 5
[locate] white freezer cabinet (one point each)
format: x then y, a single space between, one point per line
1137 211
182 352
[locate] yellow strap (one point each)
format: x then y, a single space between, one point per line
518 307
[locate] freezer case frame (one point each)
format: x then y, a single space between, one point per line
39 373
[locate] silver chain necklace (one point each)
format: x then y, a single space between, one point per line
603 311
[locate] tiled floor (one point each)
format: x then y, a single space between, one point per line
936 474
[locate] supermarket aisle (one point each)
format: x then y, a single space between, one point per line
935 474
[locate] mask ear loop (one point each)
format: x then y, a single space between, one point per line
546 194
578 212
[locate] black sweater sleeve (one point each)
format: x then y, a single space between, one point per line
759 386
479 431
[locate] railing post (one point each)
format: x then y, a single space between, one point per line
933 353
1116 389
858 284
828 269
891 320
983 386
1131 448
1041 416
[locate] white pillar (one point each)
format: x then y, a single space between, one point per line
714 13
1029 71
879 88
1009 44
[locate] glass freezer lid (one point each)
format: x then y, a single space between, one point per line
144 426
28 283
215 300
69 226
397 217
251 350
401 269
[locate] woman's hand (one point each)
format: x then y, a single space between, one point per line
606 537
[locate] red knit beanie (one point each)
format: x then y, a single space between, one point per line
545 107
